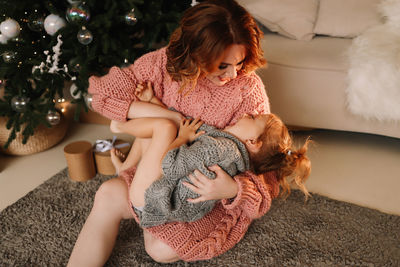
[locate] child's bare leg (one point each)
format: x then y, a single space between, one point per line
133 158
140 128
117 158
149 168
144 109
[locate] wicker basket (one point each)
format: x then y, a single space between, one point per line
43 139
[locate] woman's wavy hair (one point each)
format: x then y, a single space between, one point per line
278 154
205 31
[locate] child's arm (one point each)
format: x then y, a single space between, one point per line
187 132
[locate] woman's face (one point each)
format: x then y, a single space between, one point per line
231 62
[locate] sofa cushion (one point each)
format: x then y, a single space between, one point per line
292 18
346 18
323 52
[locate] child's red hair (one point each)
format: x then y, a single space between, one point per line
278 154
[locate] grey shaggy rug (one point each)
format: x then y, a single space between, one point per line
41 228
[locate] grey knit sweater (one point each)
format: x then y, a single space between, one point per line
166 198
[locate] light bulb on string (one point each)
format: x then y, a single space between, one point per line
130 17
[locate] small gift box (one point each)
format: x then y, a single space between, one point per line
102 154
79 156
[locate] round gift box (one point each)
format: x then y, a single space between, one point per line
79 156
103 161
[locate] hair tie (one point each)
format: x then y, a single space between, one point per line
289 152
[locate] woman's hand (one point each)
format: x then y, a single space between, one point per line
222 187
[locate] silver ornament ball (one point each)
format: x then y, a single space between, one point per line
52 23
74 2
78 14
88 100
84 36
19 103
10 28
3 39
53 117
36 24
9 56
36 21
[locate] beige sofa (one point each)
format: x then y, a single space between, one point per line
305 44
306 83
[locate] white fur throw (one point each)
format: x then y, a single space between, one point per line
374 73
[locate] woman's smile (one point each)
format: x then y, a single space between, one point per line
231 63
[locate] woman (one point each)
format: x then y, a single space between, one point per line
206 72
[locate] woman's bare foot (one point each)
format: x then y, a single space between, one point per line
117 159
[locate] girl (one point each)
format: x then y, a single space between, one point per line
260 143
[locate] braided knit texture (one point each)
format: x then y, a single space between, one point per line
215 105
220 106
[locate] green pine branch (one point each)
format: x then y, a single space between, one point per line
114 42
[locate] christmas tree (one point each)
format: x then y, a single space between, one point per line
45 43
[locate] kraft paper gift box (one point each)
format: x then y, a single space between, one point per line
102 154
79 156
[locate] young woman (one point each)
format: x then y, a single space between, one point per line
206 72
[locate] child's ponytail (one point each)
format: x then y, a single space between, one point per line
297 166
277 154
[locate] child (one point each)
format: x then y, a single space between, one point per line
162 192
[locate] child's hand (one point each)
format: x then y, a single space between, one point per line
144 92
188 129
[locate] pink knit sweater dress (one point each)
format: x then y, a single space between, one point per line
220 106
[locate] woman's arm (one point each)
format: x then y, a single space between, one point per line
248 192
222 187
113 93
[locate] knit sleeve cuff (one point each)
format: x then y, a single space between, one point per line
247 194
111 108
253 197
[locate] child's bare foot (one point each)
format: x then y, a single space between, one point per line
117 158
115 126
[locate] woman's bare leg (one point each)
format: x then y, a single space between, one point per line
158 250
97 237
